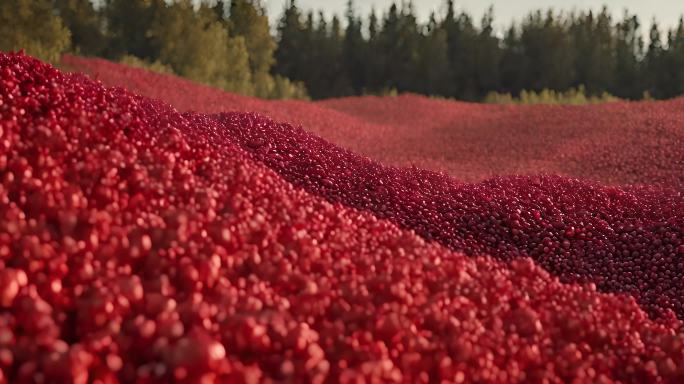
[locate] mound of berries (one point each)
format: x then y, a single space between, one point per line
613 143
623 240
621 143
138 244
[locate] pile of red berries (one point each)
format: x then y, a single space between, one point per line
141 245
623 240
617 143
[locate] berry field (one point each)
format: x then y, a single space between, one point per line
153 230
621 143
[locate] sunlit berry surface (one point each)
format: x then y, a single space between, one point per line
142 244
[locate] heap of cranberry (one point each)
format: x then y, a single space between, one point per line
617 143
141 245
623 240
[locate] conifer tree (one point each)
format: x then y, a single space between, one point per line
85 25
513 64
677 49
593 39
629 46
355 51
462 41
487 57
653 61
289 54
433 69
549 52
128 23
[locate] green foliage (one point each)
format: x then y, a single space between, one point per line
548 52
197 46
384 92
670 79
473 54
33 26
291 42
311 51
284 88
247 19
629 47
156 66
400 40
235 65
592 35
456 57
85 24
434 60
128 23
573 96
354 51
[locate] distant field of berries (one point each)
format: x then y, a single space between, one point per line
617 143
154 230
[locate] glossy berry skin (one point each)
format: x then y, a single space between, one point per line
139 244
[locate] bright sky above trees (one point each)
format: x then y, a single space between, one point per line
667 12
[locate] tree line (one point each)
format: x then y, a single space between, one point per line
455 56
229 44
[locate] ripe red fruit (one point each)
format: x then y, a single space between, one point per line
11 280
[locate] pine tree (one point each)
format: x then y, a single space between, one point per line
128 24
32 26
672 84
549 51
462 39
434 62
399 46
336 71
85 25
355 51
653 61
513 65
677 49
488 55
324 69
374 59
594 43
629 47
290 53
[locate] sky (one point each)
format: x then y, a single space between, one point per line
667 12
